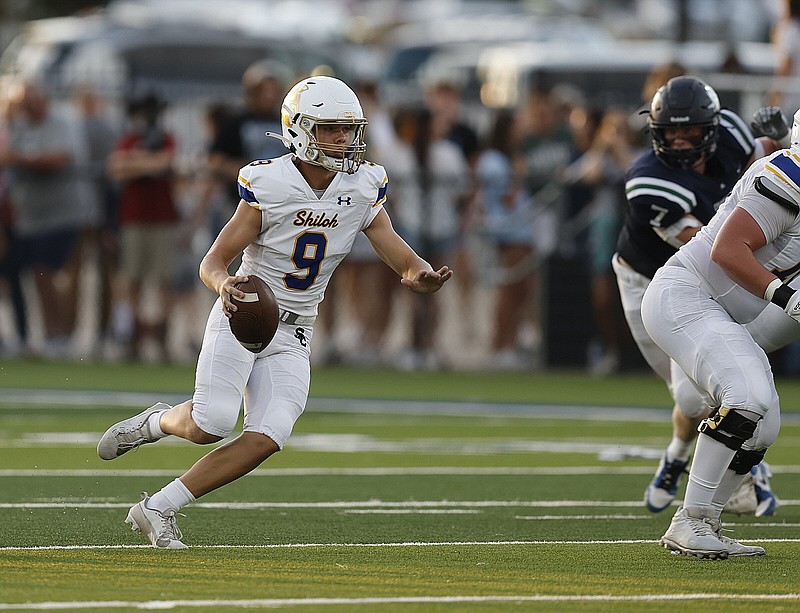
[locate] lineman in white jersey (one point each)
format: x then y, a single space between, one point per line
696 309
699 152
297 219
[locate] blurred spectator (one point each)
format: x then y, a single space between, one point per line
142 163
241 139
9 252
10 274
358 304
786 40
99 237
202 200
443 98
41 154
212 190
431 177
546 146
584 121
507 213
444 101
602 168
659 76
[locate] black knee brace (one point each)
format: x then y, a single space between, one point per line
745 459
728 427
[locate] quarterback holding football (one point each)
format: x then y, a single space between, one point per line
297 219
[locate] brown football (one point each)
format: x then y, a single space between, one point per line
256 320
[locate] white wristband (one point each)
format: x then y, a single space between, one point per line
770 291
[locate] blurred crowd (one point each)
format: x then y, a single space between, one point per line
102 231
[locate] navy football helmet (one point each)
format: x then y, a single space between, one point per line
683 102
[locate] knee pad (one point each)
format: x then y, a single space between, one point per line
745 459
729 427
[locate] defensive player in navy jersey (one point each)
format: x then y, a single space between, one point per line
699 152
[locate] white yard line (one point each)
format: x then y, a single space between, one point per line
365 472
288 602
356 472
372 545
60 503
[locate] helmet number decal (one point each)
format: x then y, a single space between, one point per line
309 251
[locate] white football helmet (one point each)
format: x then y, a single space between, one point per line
795 138
323 100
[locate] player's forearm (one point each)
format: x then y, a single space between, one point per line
401 258
213 271
741 266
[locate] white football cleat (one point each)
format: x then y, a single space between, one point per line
129 433
161 530
693 533
737 549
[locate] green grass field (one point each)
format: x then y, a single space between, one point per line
397 492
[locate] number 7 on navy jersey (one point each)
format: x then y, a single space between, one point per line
309 251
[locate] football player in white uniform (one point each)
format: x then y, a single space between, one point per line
297 219
699 151
696 308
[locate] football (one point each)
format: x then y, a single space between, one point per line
256 320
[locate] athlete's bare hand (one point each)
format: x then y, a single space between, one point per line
428 281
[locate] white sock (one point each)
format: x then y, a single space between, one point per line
730 481
679 449
154 422
711 460
172 497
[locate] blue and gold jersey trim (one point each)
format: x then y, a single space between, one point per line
786 166
382 192
245 191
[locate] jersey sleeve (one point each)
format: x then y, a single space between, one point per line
382 185
247 191
739 130
780 180
260 184
773 199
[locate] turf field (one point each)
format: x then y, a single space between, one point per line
397 492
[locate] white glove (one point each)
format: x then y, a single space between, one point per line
792 307
771 122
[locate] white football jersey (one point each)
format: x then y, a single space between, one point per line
770 192
304 237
